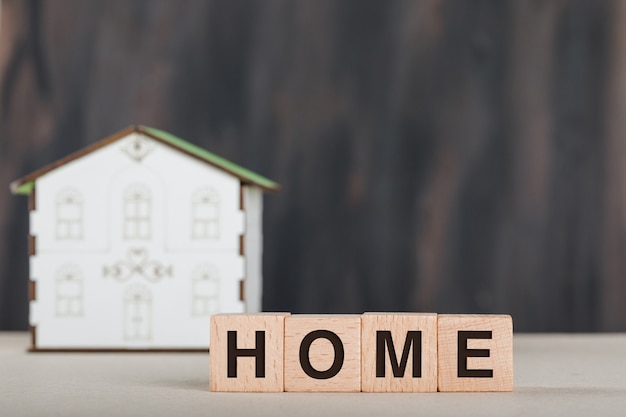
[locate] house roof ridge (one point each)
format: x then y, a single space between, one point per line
25 184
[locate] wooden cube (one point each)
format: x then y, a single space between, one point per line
399 352
246 352
475 352
323 353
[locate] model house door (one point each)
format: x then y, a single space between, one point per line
138 314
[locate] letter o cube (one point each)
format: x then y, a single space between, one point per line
323 353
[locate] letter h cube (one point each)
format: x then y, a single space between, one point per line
247 352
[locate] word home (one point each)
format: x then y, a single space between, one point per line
372 352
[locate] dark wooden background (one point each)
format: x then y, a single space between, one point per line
445 156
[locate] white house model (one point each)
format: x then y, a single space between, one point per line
135 241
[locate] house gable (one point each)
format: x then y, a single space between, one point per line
26 184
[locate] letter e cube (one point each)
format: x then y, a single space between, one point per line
475 352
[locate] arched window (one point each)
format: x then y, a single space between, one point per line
205 291
69 215
137 212
205 214
69 292
137 313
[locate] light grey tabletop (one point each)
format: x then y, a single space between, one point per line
569 375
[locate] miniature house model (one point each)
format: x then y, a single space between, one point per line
135 241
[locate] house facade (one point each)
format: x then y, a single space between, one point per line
137 240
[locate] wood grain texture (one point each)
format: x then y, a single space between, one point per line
435 156
500 346
246 326
322 353
399 324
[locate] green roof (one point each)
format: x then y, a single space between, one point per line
25 188
218 161
26 184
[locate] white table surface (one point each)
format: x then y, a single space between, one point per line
568 375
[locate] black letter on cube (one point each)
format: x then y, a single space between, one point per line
305 363
258 353
412 338
464 353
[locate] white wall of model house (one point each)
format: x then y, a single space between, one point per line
137 244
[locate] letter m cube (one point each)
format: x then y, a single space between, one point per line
399 352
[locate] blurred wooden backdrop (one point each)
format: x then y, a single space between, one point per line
443 156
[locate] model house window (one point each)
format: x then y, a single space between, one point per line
137 313
69 292
205 214
205 291
137 209
69 215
